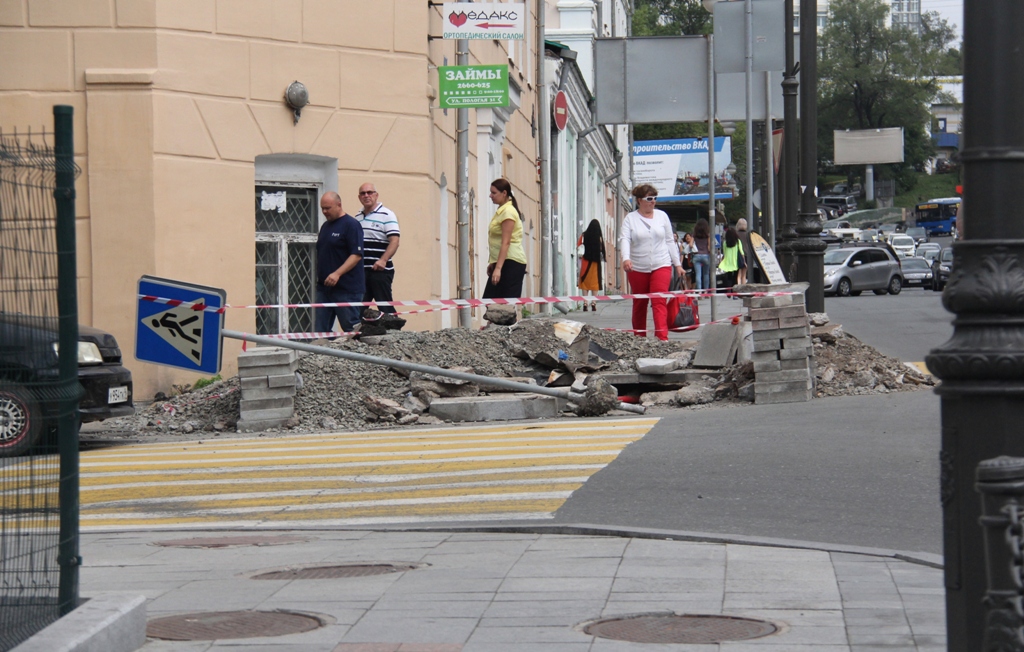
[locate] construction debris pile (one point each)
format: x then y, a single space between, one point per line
846 366
337 394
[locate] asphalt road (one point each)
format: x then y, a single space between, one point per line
906 326
858 470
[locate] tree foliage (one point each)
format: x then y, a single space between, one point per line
670 18
873 76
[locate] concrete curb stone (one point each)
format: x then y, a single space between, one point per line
107 622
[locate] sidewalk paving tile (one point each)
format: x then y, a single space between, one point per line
480 592
376 627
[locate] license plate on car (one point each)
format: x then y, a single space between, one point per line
117 395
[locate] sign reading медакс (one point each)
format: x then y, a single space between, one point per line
484 20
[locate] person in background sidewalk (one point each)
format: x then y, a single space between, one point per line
591 262
648 255
702 259
732 257
380 242
506 259
748 273
687 250
339 266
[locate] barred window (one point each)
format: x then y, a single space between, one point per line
286 231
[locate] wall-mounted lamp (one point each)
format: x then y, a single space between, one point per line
296 96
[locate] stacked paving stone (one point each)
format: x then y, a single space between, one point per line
268 380
782 350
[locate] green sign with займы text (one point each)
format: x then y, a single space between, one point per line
466 87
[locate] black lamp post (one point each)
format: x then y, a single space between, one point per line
788 196
808 248
982 365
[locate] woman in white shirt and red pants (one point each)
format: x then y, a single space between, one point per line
649 253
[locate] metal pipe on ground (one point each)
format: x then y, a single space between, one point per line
483 381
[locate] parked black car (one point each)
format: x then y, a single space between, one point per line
29 374
942 267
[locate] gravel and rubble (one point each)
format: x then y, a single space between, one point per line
846 366
338 394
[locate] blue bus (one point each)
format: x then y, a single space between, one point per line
938 216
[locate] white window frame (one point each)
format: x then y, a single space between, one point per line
283 240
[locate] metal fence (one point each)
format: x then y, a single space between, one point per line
39 390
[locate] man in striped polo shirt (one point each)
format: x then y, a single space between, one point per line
380 242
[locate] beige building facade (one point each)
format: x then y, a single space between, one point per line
181 131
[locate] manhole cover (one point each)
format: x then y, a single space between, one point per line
672 628
227 542
213 625
334 571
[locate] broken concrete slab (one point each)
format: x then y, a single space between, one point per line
717 346
695 395
509 407
421 386
650 399
828 333
656 366
502 315
678 377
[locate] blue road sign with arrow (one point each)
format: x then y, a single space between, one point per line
175 327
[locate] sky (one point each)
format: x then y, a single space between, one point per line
951 10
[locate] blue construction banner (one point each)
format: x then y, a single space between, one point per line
679 168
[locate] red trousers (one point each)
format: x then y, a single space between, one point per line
644 283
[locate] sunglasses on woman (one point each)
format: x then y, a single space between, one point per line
650 199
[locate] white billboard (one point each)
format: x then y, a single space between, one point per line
679 168
869 146
484 20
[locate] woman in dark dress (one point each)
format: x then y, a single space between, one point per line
591 262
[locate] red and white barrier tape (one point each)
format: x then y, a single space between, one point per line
449 304
317 336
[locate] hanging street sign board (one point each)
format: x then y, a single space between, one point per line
172 329
473 86
485 20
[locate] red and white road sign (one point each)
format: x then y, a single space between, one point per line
561 110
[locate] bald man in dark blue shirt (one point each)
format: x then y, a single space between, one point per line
339 266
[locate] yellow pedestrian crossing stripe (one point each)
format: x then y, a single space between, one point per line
920 366
475 473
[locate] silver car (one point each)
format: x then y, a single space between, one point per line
851 270
929 250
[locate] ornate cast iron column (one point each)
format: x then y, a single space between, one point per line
808 248
1001 485
982 366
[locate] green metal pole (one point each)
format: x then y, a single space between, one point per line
68 388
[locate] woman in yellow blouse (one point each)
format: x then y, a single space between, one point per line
506 261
